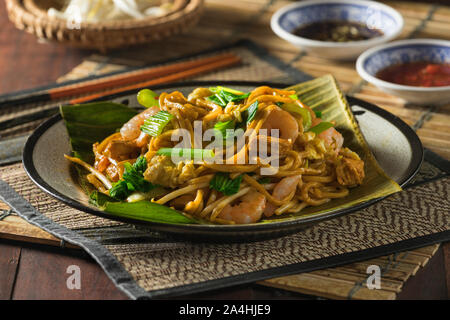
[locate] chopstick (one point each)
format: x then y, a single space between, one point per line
115 81
212 64
229 61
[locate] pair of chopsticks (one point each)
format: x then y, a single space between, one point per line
118 83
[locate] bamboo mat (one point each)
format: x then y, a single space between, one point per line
225 21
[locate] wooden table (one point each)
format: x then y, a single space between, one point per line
30 271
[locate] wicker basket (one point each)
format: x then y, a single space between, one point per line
31 16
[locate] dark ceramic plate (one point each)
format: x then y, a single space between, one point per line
44 162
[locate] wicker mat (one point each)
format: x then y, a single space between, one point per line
146 265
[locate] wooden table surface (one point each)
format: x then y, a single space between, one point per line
30 271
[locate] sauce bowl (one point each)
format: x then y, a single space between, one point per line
405 51
371 13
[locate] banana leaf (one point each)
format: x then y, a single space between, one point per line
323 95
93 122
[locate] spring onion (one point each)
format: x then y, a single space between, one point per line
252 111
296 108
223 183
222 127
321 127
186 153
220 88
222 95
147 98
156 124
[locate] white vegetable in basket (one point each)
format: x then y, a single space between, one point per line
106 10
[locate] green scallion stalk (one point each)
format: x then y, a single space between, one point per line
156 124
252 111
295 108
147 98
187 153
321 127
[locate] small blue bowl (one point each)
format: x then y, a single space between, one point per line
404 51
373 14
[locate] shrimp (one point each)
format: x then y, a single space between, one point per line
132 129
283 121
283 189
330 136
248 211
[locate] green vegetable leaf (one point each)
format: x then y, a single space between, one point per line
148 211
147 98
222 127
120 190
223 183
321 127
252 111
318 114
296 108
217 99
132 180
156 124
224 95
136 179
264 180
140 164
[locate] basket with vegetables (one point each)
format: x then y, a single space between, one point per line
104 24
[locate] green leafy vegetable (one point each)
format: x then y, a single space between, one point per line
156 124
224 95
318 114
147 98
140 164
264 180
296 108
132 180
293 97
187 153
121 190
223 183
252 111
222 127
321 127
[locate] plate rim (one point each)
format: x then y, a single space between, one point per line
205 229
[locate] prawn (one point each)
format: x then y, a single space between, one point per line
284 122
132 129
248 211
283 189
331 136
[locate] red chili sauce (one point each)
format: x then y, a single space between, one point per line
418 74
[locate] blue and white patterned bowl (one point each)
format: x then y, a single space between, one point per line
374 14
380 57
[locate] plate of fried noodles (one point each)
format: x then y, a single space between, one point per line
225 161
